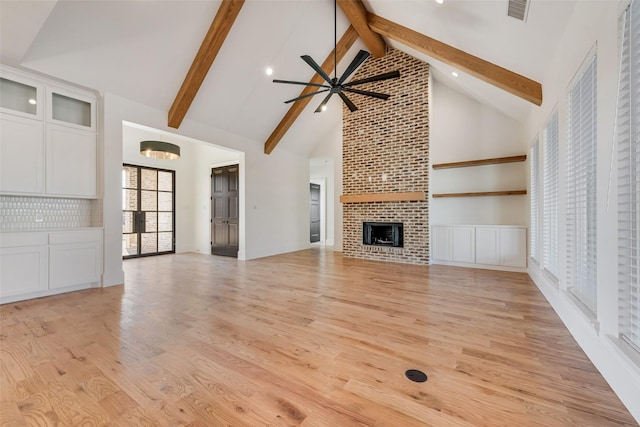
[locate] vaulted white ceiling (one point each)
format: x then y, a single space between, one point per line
141 50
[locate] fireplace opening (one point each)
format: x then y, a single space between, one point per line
382 234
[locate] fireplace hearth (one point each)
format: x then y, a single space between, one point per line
388 234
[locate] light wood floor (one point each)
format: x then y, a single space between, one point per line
307 339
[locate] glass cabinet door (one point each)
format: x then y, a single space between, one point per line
67 108
20 97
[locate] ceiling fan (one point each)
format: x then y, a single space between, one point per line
338 86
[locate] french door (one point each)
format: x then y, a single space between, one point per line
148 211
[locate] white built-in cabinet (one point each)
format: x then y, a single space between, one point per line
35 264
486 246
48 144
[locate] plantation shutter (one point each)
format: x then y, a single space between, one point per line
581 187
535 203
550 191
628 137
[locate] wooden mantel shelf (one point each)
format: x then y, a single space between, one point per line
483 193
493 161
383 197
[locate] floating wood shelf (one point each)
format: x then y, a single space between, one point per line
494 161
383 197
483 193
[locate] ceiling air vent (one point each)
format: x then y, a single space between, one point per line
518 9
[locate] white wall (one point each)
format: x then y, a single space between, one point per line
276 186
593 22
193 181
462 128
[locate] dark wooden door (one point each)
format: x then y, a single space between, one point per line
314 197
224 211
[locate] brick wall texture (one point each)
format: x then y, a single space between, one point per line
386 149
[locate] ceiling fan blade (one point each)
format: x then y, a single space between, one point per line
305 96
299 83
347 101
323 103
367 93
359 59
379 77
309 60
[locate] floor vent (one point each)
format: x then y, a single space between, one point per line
416 375
518 9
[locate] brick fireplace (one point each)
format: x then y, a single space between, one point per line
386 153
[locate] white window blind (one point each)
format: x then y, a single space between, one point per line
550 193
628 139
535 203
581 187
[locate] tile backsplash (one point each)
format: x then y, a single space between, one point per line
28 213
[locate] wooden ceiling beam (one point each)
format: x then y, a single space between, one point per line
344 44
213 40
493 74
356 13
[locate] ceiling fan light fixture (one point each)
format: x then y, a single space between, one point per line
339 86
159 150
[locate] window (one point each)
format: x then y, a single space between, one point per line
535 204
550 192
628 138
581 187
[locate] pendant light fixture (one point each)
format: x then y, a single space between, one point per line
160 150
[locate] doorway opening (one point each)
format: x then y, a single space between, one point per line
314 210
148 211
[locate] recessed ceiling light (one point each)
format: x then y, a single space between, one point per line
32 101
454 74
439 1
324 108
269 71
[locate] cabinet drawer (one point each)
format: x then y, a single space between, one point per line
76 236
12 240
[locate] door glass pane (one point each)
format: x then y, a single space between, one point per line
165 242
129 200
149 200
71 110
165 202
151 221
18 97
129 244
127 222
165 181
149 243
149 179
165 221
129 177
